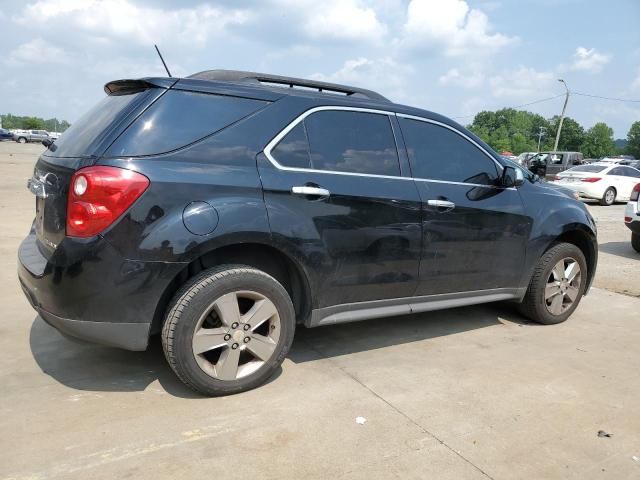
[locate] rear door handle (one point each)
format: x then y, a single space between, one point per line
308 190
441 204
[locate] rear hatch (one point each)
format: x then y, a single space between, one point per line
80 146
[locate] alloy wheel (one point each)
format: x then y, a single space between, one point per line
610 196
236 335
563 286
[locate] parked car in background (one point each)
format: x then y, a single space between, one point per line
26 136
54 135
524 157
606 182
631 163
251 207
549 164
5 135
632 217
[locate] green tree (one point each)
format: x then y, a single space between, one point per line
33 123
598 141
571 137
509 129
633 140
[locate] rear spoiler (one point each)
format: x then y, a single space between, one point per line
127 86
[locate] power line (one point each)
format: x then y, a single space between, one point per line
518 106
606 98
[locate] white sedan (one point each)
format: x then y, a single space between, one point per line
607 182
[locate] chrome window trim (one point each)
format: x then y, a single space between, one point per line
275 140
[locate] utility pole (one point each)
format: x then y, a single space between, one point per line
564 107
540 134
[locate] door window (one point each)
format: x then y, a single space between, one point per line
341 141
630 172
438 153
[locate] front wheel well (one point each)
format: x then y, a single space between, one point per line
263 257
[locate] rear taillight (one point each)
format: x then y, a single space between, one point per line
557 177
98 196
627 219
635 193
591 179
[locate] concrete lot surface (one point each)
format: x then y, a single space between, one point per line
470 393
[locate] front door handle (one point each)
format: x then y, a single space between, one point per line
441 204
309 190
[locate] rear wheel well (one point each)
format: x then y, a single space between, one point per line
268 259
581 240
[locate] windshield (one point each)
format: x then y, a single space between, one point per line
588 168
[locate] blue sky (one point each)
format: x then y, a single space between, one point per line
454 57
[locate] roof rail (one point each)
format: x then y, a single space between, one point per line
279 80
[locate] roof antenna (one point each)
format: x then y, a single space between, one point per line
163 63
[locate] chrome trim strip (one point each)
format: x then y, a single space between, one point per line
275 140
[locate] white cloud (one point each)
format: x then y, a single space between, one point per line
126 20
453 26
383 75
346 20
635 84
522 84
465 79
37 51
588 60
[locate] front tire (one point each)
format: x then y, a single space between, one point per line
609 197
228 329
635 241
557 285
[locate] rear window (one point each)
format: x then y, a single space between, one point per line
85 136
179 118
588 168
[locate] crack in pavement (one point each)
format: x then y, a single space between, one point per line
398 410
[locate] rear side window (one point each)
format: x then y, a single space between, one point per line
179 118
293 149
438 153
357 142
341 141
87 133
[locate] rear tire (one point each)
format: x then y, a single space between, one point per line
609 197
22 140
228 329
635 241
553 294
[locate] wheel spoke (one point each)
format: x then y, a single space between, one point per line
262 347
572 293
556 305
227 366
261 311
551 290
558 271
572 270
207 339
228 309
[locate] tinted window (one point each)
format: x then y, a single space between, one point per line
179 118
437 153
352 142
630 172
615 171
588 168
293 149
86 133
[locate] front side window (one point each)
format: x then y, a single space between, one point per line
341 141
556 159
437 153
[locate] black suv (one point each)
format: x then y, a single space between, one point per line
222 209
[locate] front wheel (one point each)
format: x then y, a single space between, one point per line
228 330
557 285
635 241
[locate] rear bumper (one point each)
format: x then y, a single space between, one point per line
90 292
632 211
585 190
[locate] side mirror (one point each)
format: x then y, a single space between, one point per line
47 142
512 177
